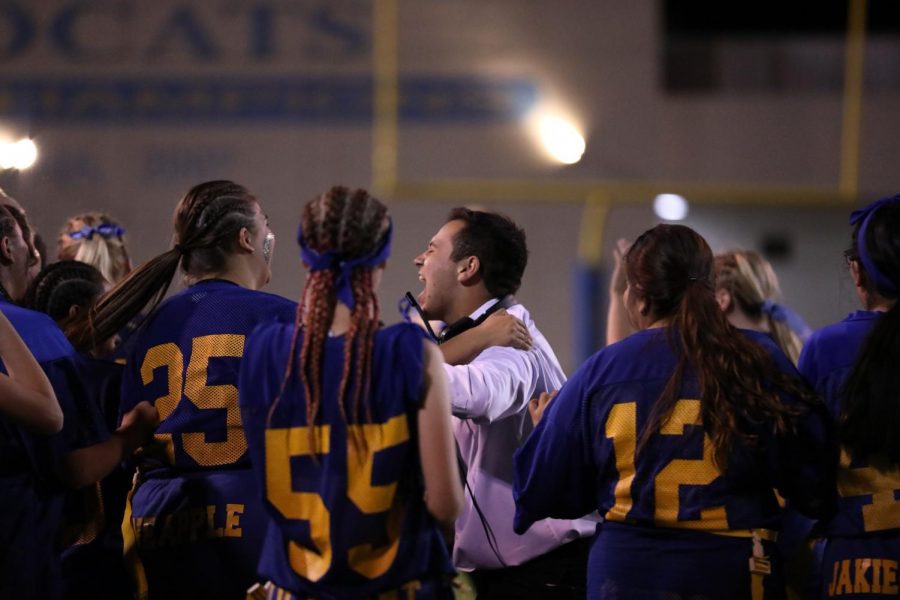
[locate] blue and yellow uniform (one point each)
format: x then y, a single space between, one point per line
860 556
676 526
31 493
194 519
347 516
91 536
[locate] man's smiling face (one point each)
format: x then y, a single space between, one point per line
438 273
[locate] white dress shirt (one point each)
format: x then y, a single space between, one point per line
489 398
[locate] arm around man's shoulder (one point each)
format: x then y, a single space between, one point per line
497 384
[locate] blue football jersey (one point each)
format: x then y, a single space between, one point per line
185 361
857 567
91 536
670 496
860 557
31 494
194 522
347 516
869 496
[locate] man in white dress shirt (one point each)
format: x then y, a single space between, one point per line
471 267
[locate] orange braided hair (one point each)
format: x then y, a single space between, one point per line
351 224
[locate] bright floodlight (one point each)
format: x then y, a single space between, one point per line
670 207
17 155
7 155
26 153
561 139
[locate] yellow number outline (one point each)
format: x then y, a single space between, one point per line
169 356
192 385
366 559
686 471
881 485
621 428
281 445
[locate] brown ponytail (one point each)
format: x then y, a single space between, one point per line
207 221
671 268
751 281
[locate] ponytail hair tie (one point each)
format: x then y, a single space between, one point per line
774 310
783 314
181 249
344 267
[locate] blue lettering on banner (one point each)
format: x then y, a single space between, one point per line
200 32
262 33
183 25
21 28
322 19
64 31
259 100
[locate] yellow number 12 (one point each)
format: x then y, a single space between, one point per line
621 427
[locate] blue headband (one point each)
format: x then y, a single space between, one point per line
782 313
106 230
865 215
333 260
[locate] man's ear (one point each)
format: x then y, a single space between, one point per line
73 311
6 255
245 241
468 269
724 299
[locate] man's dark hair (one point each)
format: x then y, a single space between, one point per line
499 245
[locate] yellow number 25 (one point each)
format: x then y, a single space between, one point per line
192 384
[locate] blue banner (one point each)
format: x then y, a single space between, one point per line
279 100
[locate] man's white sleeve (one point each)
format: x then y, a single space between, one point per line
498 383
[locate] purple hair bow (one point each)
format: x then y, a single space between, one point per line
106 230
332 260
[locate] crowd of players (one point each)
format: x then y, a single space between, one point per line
223 442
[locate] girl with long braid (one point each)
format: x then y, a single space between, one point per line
348 425
63 290
90 540
194 527
854 367
678 435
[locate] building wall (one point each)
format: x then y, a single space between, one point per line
274 94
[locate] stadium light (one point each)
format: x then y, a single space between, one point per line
561 139
670 207
18 155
